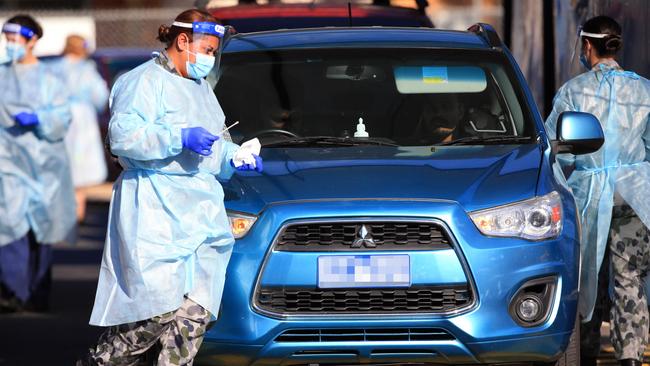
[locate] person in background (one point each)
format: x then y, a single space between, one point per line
88 98
611 188
169 239
37 207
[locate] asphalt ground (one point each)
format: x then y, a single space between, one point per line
59 337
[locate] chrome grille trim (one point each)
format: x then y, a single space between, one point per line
348 236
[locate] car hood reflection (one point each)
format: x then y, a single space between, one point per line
474 176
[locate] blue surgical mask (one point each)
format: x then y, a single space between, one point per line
201 68
585 62
15 51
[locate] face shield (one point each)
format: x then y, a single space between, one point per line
202 49
577 47
15 37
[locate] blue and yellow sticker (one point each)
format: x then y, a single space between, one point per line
435 75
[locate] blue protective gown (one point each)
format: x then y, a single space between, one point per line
621 101
35 183
88 97
168 233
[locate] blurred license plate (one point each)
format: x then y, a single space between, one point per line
339 271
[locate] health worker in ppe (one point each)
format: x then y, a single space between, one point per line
169 239
88 98
611 188
37 204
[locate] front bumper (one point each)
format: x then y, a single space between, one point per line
514 350
484 334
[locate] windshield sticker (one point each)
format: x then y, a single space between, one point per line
439 79
434 75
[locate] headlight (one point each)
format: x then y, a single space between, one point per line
534 219
240 223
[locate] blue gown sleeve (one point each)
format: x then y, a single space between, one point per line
227 170
561 103
137 128
54 115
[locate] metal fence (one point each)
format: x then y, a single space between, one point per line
116 28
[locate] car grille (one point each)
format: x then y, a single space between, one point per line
429 299
363 335
348 236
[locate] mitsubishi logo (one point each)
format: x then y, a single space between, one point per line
365 238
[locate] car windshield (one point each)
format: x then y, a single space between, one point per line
400 97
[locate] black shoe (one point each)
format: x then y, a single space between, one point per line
630 362
588 361
11 305
36 307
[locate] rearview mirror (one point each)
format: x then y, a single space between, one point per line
578 133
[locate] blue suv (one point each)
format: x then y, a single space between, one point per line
410 210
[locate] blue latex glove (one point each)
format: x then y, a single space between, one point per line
26 119
198 139
258 167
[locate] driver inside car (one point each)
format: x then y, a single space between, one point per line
439 117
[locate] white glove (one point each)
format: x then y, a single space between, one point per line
244 155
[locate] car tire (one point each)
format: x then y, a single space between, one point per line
571 357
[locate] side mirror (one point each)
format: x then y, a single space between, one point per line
578 133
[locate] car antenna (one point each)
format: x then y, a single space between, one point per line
349 14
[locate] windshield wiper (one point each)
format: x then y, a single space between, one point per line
329 140
476 140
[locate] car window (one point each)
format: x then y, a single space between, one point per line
409 97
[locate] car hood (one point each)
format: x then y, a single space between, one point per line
474 176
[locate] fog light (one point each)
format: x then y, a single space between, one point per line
532 304
529 309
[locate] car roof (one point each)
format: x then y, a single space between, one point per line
255 18
357 37
310 10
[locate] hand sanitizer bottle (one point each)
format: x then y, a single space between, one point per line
361 129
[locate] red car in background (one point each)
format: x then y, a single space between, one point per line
254 18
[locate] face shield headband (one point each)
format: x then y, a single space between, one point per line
592 35
209 28
18 29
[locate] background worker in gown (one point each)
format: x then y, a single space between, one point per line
611 188
37 207
88 98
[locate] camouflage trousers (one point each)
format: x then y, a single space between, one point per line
179 335
629 246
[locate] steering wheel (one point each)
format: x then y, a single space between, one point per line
272 131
